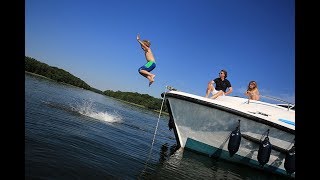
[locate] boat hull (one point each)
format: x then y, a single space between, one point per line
205 127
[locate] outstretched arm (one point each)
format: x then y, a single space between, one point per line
142 44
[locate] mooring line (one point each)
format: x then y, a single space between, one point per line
155 132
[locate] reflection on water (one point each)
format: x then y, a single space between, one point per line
165 152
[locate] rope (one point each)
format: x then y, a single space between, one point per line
155 132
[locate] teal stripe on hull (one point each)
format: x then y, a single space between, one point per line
214 152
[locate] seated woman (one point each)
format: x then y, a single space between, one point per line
252 91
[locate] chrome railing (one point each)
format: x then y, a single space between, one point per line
286 104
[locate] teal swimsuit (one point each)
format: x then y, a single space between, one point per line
149 66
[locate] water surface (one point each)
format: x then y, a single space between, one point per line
72 133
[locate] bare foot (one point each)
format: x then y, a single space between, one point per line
152 77
151 82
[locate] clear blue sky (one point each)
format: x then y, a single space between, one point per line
192 40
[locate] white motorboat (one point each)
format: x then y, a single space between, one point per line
254 133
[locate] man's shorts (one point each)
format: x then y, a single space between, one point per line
215 92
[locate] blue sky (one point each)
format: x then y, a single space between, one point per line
192 40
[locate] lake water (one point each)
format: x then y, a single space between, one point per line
71 133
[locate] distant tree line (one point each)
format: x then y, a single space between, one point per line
54 73
145 100
34 66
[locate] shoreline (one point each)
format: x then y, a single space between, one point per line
31 73
138 105
39 75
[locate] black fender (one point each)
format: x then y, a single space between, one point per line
264 151
289 163
234 141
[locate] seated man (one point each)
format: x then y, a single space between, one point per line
222 84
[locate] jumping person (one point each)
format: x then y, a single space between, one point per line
151 63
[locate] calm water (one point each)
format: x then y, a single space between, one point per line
71 133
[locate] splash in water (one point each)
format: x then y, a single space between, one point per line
86 108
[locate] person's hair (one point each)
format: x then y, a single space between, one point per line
225 73
255 85
146 42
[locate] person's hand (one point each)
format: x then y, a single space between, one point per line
138 37
249 93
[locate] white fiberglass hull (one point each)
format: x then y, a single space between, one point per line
204 125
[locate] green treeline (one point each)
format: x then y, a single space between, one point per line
54 73
145 100
34 66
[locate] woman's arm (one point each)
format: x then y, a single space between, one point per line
249 94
